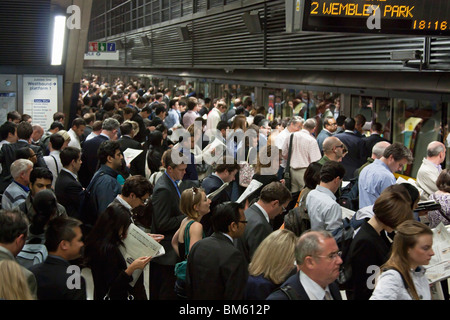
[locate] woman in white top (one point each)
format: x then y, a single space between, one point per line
403 276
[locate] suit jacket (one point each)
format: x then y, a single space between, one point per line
256 230
209 184
52 276
370 141
142 134
138 164
5 254
90 159
69 193
216 270
294 283
356 155
166 217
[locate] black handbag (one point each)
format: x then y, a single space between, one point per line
287 171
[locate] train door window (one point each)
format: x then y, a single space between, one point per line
446 135
416 124
363 105
382 115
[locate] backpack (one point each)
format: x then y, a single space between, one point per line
32 254
349 197
88 209
344 238
297 219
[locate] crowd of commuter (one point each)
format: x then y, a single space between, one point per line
71 195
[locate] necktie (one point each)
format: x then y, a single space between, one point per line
327 296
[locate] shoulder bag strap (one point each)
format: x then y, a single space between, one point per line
56 164
187 238
288 164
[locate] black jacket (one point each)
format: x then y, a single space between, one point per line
69 193
52 277
216 270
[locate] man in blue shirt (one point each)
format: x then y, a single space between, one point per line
379 175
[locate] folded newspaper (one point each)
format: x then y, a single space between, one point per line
130 154
439 267
252 187
216 192
139 244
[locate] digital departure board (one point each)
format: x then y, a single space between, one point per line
402 17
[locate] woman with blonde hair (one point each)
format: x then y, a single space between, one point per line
194 204
403 275
272 263
13 284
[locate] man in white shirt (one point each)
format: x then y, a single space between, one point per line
294 125
53 160
431 168
215 116
78 126
305 149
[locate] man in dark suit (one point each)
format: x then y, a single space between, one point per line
126 141
216 270
89 156
166 220
356 155
318 262
63 242
8 152
225 173
273 200
375 136
68 189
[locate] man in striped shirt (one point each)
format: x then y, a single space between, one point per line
304 151
18 190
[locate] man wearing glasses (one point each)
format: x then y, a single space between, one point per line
318 261
272 202
329 128
333 150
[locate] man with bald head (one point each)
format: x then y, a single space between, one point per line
333 149
318 261
431 168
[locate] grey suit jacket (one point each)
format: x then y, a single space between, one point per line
256 230
5 254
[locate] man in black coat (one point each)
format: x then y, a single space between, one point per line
318 262
216 270
89 156
166 220
68 189
375 136
225 173
356 155
126 141
53 276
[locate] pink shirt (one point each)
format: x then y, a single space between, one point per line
304 149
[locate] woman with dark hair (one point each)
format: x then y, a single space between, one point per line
102 254
155 150
46 208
